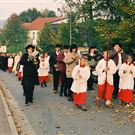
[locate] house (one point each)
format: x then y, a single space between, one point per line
38 24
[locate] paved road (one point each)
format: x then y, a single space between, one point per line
54 115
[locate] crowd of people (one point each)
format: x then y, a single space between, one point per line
113 71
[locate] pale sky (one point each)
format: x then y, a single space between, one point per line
7 7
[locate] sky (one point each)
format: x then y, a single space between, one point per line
8 7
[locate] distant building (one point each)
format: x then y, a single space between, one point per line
38 24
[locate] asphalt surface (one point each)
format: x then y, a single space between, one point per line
54 115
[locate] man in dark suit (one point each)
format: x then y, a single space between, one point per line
62 69
118 56
55 67
30 75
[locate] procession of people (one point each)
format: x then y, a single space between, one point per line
74 74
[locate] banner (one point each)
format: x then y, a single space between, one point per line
3 49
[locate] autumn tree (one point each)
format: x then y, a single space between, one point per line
14 35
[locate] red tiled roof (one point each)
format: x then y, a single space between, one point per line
38 24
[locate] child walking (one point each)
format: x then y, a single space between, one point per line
105 70
80 74
126 85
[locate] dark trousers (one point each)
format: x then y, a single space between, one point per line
28 87
69 84
56 78
90 82
63 83
116 84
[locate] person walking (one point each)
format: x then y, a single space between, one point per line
80 74
62 69
118 56
10 63
71 60
92 61
105 70
43 70
55 67
30 75
126 85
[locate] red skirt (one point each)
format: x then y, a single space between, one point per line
105 93
19 75
126 96
10 69
43 79
79 99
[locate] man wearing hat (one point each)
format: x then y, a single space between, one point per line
117 55
55 67
30 75
92 61
62 69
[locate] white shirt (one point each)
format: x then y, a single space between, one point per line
10 62
126 79
119 61
102 75
80 84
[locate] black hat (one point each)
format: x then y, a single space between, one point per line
58 46
30 46
73 46
92 47
66 47
117 43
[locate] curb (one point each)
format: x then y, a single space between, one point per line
23 126
8 114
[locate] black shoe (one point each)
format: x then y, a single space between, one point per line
42 85
70 99
55 91
115 97
65 94
27 103
90 89
83 108
31 101
45 84
60 94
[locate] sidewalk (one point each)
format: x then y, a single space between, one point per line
4 124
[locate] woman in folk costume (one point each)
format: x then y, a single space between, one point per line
43 69
105 70
126 84
80 74
71 60
10 63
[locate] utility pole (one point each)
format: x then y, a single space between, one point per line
70 26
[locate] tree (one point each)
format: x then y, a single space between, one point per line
14 35
119 19
78 10
98 17
47 38
47 13
30 15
